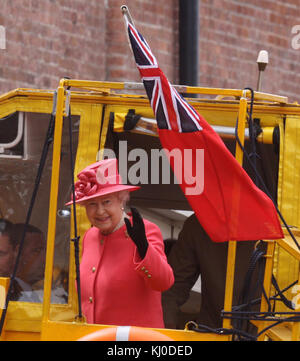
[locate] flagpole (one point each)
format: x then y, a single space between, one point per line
128 20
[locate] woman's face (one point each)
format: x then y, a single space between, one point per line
104 212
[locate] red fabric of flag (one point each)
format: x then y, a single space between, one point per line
226 202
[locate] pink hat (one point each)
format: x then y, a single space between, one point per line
99 179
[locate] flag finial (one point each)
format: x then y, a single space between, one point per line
126 14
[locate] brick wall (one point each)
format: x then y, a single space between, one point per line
234 31
49 39
158 23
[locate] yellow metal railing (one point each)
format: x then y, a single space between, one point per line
106 86
229 286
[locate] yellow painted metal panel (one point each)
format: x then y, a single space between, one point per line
291 177
286 267
88 145
60 331
22 336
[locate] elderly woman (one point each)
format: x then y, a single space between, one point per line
123 267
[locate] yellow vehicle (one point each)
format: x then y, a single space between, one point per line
98 112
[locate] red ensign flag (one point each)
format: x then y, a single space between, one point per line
225 200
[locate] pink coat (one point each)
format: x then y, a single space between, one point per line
118 288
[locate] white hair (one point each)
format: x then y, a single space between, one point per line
124 197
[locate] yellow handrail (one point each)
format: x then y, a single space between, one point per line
53 202
88 84
232 244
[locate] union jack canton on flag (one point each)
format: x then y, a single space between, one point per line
171 110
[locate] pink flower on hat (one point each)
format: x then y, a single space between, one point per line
86 185
99 179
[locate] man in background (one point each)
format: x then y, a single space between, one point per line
31 265
8 248
194 255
